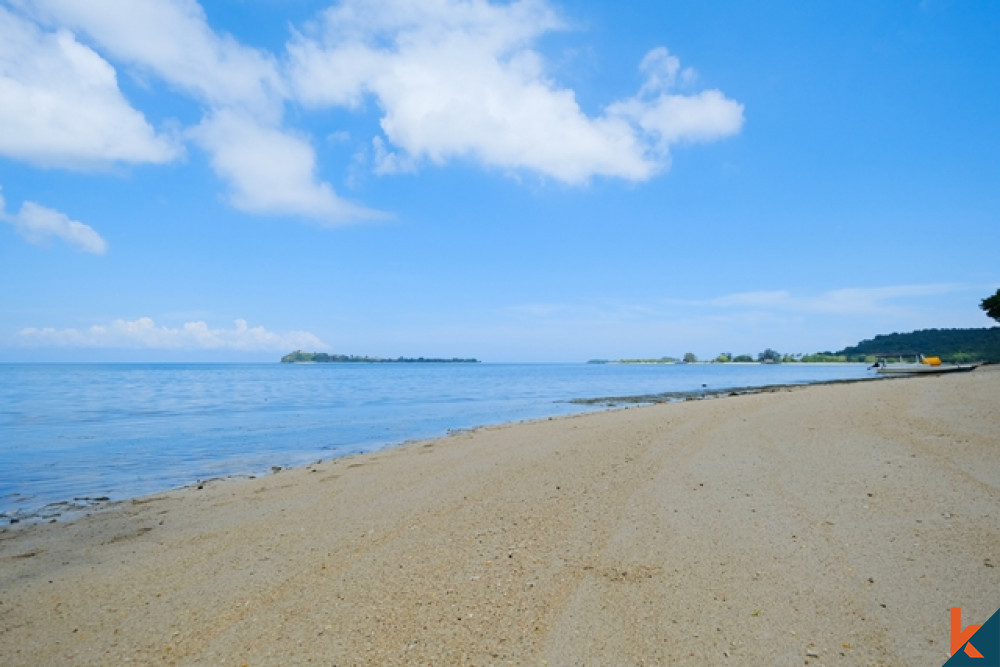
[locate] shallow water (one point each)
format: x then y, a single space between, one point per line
76 432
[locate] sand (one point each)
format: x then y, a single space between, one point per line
823 525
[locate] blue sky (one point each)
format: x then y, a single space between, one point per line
512 181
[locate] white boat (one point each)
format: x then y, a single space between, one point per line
923 366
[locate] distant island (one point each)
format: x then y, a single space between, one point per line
300 357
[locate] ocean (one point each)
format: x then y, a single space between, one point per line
75 434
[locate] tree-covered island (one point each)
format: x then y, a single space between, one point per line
301 357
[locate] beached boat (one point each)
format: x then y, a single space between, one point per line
923 366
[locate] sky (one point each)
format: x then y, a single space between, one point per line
537 180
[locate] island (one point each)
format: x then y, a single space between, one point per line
301 357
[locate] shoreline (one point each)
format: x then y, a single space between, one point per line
61 511
836 525
680 396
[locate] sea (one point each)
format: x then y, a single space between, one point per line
76 435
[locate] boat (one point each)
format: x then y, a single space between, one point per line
922 366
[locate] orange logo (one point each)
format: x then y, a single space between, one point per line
985 653
960 636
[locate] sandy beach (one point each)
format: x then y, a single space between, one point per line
823 525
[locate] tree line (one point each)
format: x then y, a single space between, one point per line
950 345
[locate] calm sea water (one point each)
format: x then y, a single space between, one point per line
70 433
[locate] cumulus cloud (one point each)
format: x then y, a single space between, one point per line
270 170
460 79
38 224
62 106
451 79
671 119
666 117
145 333
172 38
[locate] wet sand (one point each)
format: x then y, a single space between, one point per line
831 524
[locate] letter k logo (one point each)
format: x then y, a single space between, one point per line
985 653
960 636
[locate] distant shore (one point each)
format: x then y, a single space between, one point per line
820 524
300 357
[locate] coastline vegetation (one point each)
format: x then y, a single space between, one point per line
950 345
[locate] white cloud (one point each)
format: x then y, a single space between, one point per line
453 80
845 301
661 70
670 119
459 79
62 106
270 171
667 118
39 224
173 39
145 333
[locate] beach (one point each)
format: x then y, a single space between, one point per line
833 524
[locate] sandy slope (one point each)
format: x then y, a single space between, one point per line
824 525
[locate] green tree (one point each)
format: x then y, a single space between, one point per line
769 355
689 358
992 305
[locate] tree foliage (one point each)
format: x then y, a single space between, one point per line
951 345
991 305
769 355
828 357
